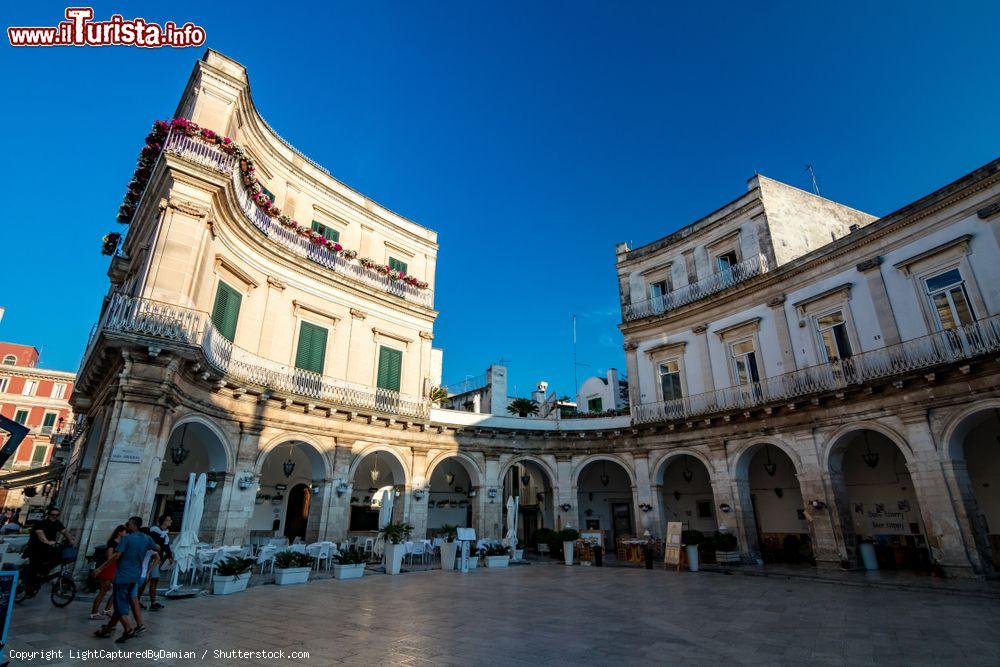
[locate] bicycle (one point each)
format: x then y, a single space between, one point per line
63 587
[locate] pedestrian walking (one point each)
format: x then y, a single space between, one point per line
129 554
104 573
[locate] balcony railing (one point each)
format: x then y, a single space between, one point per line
718 281
206 155
193 329
944 347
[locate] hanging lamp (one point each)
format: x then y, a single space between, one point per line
178 453
869 457
769 467
688 474
288 467
374 471
605 480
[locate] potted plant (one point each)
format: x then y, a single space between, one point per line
449 546
726 548
691 540
395 535
568 537
542 537
496 555
291 567
349 565
473 556
232 575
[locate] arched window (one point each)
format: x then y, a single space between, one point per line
10 360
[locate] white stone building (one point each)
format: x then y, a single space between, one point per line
603 394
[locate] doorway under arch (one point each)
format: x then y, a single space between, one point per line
286 503
776 526
374 472
975 452
528 481
605 500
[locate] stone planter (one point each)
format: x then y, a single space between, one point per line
727 557
286 576
394 557
568 552
448 551
518 554
497 561
229 584
473 562
355 571
692 554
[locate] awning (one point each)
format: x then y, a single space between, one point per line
31 477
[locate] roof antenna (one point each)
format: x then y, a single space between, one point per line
812 173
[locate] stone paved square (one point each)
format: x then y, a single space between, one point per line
545 614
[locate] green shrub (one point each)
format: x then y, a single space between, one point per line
233 566
448 532
543 535
350 557
396 533
725 541
569 535
287 559
495 550
692 537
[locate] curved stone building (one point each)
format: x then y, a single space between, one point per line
800 374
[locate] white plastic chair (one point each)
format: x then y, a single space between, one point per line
321 555
208 567
265 559
416 550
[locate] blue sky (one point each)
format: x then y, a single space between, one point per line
532 136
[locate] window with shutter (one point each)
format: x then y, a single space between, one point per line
595 405
390 364
328 233
397 265
49 422
226 311
311 353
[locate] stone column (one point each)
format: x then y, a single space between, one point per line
777 305
956 474
880 299
632 366
642 494
825 524
704 355
725 492
661 524
238 504
944 532
566 494
338 515
491 509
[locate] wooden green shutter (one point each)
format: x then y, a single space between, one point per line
397 265
390 363
311 354
328 233
226 311
595 405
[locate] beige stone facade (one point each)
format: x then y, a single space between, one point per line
301 453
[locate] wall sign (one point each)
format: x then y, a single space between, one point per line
126 454
672 547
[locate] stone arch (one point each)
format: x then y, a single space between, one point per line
657 471
959 425
228 452
397 462
741 457
476 473
315 452
836 442
612 458
550 472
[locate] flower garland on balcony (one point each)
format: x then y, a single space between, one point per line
154 146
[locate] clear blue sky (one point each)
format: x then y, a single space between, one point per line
532 136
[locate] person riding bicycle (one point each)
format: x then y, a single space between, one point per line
43 550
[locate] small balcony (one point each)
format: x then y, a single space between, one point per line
927 352
192 331
717 282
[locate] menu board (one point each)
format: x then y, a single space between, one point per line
672 546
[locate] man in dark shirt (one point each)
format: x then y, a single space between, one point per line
43 552
130 552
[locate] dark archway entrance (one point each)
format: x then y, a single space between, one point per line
297 516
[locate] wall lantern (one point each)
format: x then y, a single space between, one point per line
492 493
645 507
316 487
565 507
245 482
211 485
817 504
343 487
725 507
419 494
869 457
178 453
473 493
769 466
677 495
526 479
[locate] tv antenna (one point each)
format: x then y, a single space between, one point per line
576 364
812 174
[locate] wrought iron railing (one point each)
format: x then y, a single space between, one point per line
944 347
718 281
193 329
467 385
209 156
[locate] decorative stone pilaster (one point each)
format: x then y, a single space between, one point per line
777 305
238 504
417 516
338 507
566 494
705 357
825 524
971 521
632 366
642 495
880 299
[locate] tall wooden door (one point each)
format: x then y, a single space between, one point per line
298 512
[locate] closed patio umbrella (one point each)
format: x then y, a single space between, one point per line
512 507
194 508
384 517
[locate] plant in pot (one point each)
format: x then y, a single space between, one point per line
474 555
291 567
395 534
726 548
691 540
568 536
232 575
349 565
542 537
496 555
449 547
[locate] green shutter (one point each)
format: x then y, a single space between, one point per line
328 233
38 455
49 419
21 417
397 265
311 354
595 405
226 311
390 364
